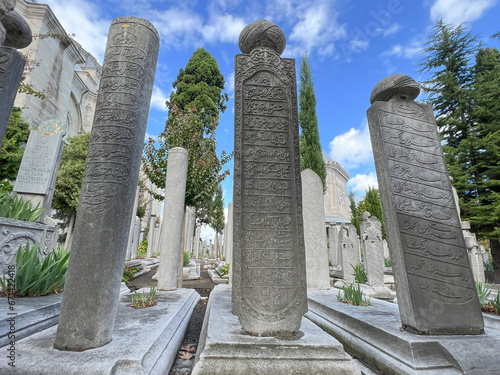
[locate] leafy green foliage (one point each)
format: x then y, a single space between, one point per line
373 205
353 296
17 208
359 274
141 300
37 276
488 266
356 215
217 211
495 303
311 155
224 270
483 292
186 258
129 273
142 249
11 152
387 262
70 176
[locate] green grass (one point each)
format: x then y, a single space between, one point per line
353 296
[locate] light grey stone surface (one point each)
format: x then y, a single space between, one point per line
30 315
371 242
151 236
269 277
434 282
145 341
372 334
173 213
347 246
89 305
11 71
130 242
333 248
229 254
14 233
313 214
135 240
196 244
475 256
225 348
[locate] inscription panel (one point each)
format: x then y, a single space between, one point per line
422 218
269 274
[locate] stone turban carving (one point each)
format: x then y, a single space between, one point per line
14 30
264 34
396 84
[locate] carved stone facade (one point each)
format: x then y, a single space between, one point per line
336 197
68 73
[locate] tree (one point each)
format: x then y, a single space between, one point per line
191 124
356 217
11 152
70 176
311 155
217 211
373 205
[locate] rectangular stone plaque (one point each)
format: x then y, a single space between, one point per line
269 294
39 163
434 283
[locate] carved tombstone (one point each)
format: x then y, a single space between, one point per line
14 33
434 283
90 300
333 249
373 251
318 275
269 279
348 240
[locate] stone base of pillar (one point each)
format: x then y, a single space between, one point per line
224 348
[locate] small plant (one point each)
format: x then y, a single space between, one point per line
353 296
388 262
37 276
186 259
488 266
156 254
129 273
359 274
224 270
141 300
483 292
142 249
329 262
17 208
496 304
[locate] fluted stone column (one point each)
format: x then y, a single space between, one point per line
173 213
90 300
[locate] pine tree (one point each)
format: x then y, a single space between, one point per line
217 211
356 217
192 122
311 155
373 205
11 152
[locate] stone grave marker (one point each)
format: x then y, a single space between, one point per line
371 240
269 278
90 300
313 211
434 282
348 240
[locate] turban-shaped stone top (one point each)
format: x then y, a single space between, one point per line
262 33
394 84
14 30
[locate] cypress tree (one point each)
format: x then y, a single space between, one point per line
310 146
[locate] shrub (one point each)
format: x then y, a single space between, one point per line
187 258
353 296
496 304
140 300
488 266
224 270
359 274
387 262
142 249
17 208
129 273
35 276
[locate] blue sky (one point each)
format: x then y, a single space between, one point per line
351 45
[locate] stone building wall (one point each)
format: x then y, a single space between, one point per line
336 198
69 74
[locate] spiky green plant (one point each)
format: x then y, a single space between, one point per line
483 292
353 295
141 300
186 258
359 274
388 262
17 208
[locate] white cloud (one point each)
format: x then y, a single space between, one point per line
223 28
359 45
360 183
83 18
229 83
409 51
147 136
158 99
394 28
458 11
207 233
353 148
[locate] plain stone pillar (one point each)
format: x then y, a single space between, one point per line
135 241
229 244
151 236
313 211
348 240
173 213
373 251
432 273
132 225
269 276
333 239
89 304
197 242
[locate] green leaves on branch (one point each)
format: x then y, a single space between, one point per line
11 152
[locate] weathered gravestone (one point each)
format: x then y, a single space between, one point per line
347 245
37 174
434 283
14 33
90 300
173 214
269 279
373 252
317 270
